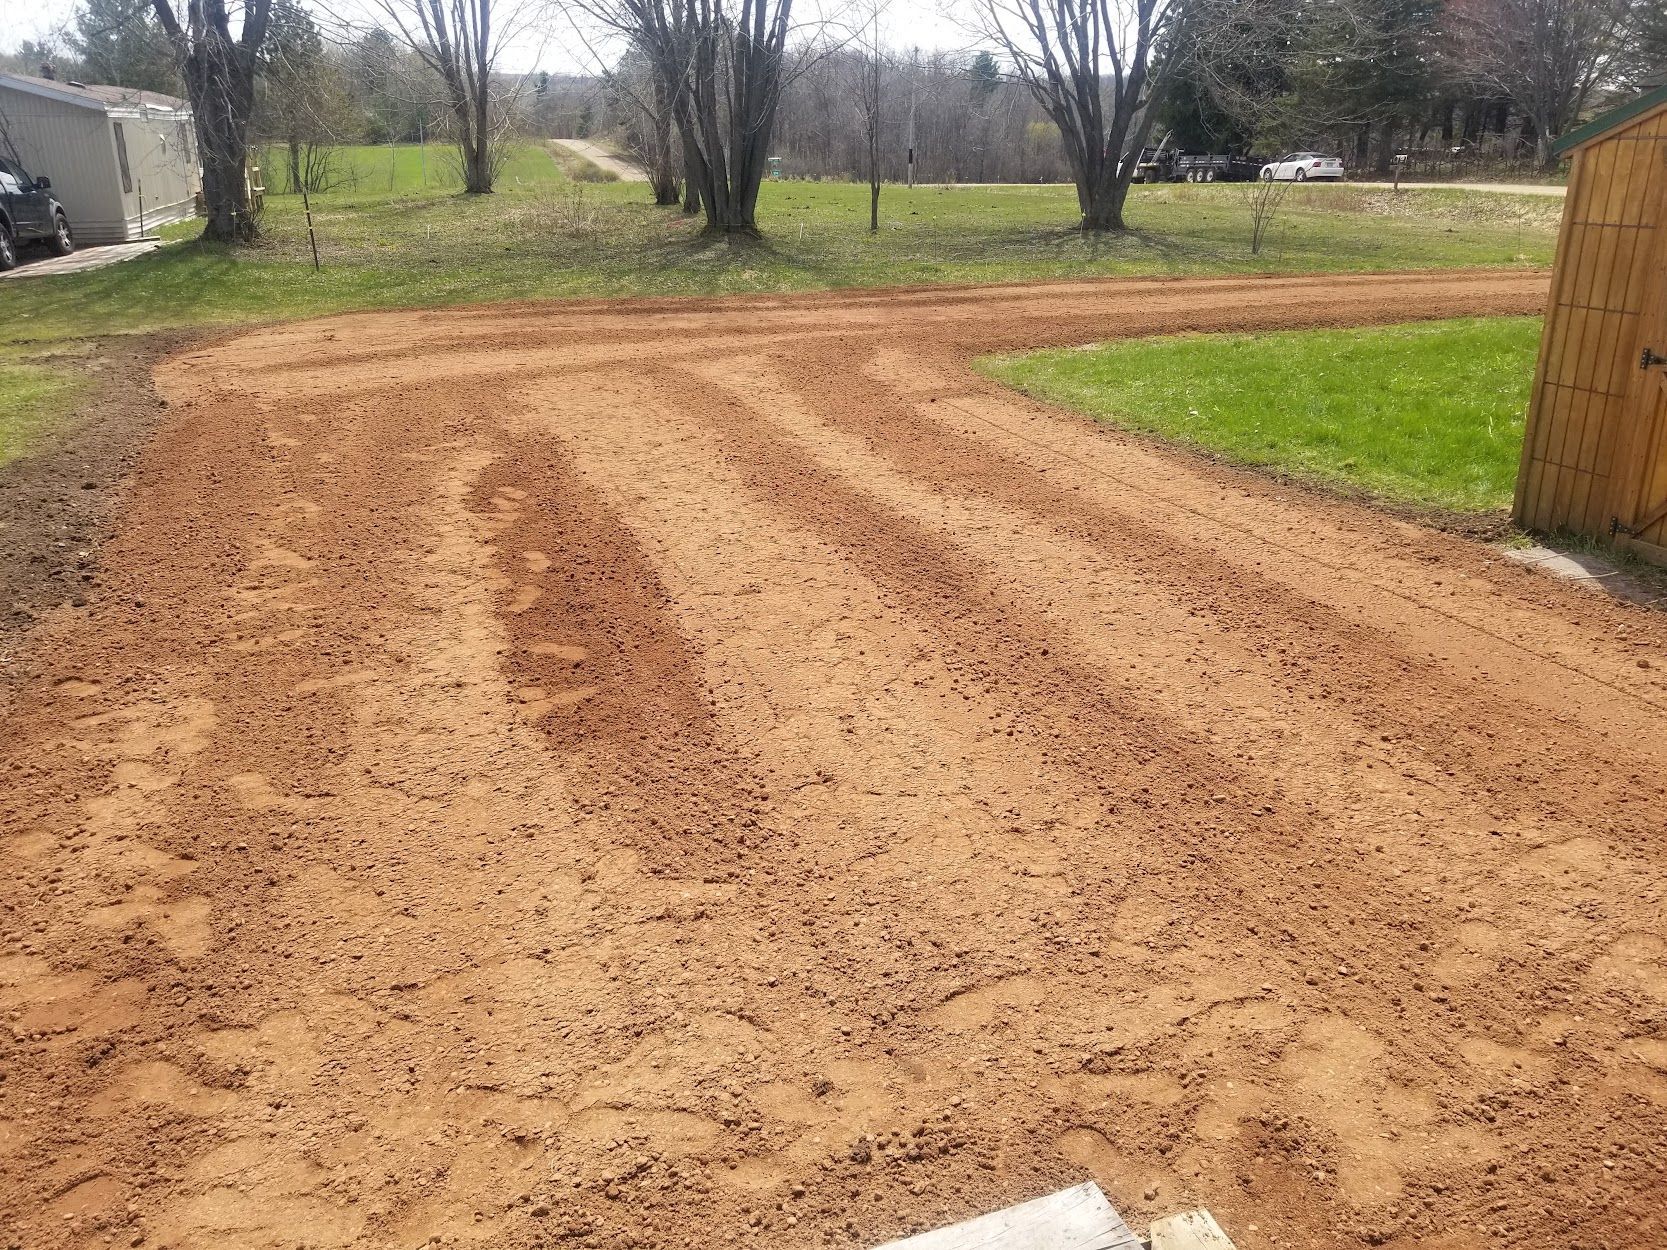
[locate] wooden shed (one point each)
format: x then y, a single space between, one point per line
1595 457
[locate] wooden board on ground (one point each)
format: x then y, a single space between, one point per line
1078 1218
1190 1230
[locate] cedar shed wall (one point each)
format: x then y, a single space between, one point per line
1607 278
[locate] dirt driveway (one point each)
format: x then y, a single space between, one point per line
605 160
724 774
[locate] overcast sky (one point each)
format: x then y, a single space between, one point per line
908 23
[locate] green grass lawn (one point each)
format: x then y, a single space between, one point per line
1429 414
31 397
396 232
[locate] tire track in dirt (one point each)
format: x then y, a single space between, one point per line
1391 692
917 568
1128 750
776 933
597 664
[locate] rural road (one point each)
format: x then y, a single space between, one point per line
603 159
724 773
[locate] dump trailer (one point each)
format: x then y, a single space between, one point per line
1209 167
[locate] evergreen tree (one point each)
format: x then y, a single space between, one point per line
120 42
1649 65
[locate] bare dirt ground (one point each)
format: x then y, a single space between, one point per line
725 774
57 501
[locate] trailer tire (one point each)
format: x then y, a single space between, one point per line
1209 175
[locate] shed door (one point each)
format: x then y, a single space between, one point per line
1646 520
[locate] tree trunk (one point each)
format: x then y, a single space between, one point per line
474 148
1543 154
295 176
222 112
662 173
1386 145
219 73
1103 210
874 174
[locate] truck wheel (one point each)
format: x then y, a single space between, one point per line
8 248
1209 175
62 241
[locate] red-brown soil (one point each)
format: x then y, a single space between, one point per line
725 774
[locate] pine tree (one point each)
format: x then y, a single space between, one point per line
121 43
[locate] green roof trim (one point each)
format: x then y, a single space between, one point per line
1613 118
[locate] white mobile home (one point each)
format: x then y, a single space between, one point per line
122 162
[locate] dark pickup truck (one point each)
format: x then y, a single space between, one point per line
29 211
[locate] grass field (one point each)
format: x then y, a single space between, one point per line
395 232
30 397
1429 414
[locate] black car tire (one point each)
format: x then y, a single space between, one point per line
8 248
1302 175
62 241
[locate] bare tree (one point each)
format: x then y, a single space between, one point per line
300 103
461 42
640 84
219 71
1548 56
1262 200
724 65
872 60
1093 66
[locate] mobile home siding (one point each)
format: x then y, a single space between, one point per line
162 162
73 142
72 146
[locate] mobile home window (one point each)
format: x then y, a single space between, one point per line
121 159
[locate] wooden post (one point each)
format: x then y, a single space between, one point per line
307 205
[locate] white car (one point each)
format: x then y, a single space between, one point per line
1301 166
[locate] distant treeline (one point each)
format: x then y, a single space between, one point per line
1422 81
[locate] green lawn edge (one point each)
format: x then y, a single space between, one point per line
1425 414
